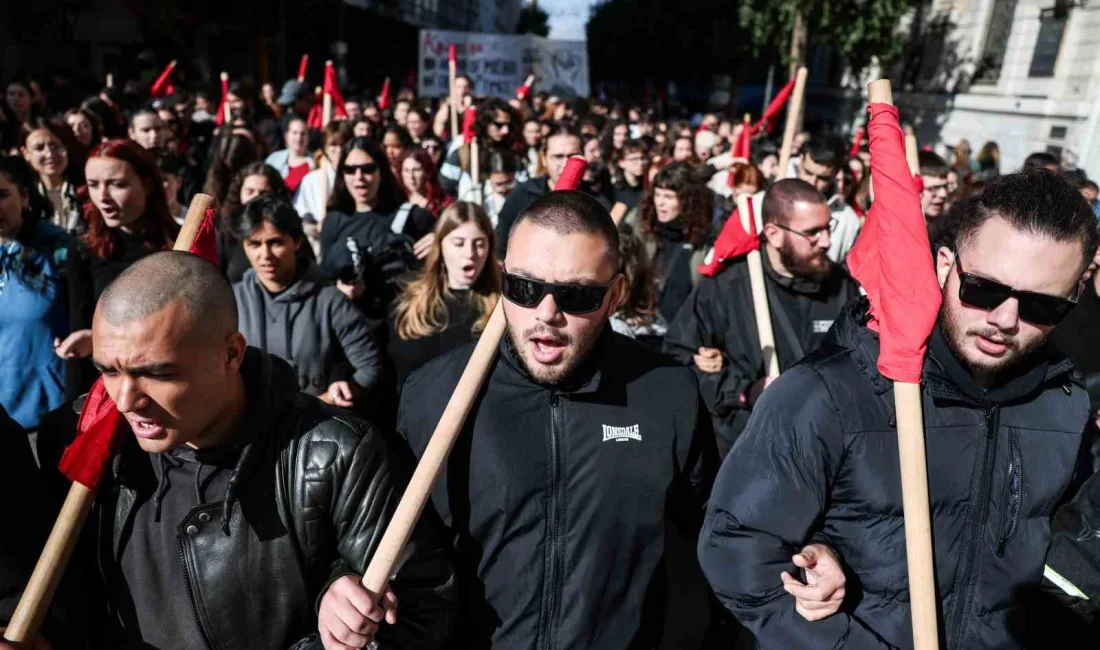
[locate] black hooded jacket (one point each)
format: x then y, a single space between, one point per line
818 462
558 497
298 499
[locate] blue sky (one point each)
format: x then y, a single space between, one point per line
567 17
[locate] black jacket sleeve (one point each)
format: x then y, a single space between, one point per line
771 492
356 340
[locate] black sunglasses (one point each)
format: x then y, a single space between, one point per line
570 298
502 125
1037 308
366 168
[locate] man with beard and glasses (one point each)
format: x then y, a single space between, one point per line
581 447
715 330
1003 416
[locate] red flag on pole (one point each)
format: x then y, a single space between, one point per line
99 426
469 119
303 67
857 142
774 108
572 175
332 90
163 85
524 91
892 258
219 119
732 243
743 147
316 117
384 98
452 54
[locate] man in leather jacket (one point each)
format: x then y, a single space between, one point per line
239 512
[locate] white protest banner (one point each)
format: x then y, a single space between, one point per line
500 63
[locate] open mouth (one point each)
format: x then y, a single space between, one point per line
991 346
146 429
547 349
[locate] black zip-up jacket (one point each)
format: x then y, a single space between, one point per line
558 498
306 504
719 314
818 462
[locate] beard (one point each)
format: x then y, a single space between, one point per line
814 267
575 352
1016 353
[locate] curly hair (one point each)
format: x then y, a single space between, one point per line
158 227
232 205
695 202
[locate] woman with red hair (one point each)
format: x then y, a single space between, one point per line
127 218
419 180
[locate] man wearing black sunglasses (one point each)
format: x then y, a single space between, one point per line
1003 419
715 331
582 446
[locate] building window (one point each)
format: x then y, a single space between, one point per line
996 42
1052 27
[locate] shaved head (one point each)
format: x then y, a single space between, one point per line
160 279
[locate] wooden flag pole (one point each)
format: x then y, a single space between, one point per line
110 80
475 171
55 555
326 101
794 111
452 69
914 479
912 154
759 294
228 116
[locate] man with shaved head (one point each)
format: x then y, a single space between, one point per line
715 331
240 512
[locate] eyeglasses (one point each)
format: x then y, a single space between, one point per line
365 168
570 298
502 125
936 189
814 235
1037 308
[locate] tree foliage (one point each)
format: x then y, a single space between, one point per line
859 30
533 20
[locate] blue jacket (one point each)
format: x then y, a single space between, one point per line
33 312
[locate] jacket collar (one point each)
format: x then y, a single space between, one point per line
803 286
585 379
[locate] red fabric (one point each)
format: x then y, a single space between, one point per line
892 258
98 431
384 98
469 119
295 175
571 176
303 67
163 85
732 243
220 117
857 142
332 90
523 91
774 109
452 54
205 244
743 147
315 118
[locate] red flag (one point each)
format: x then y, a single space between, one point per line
572 175
220 117
384 98
743 147
469 119
732 243
774 108
303 67
316 117
892 258
857 142
332 90
100 424
163 85
523 91
452 54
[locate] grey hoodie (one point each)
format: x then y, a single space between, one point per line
311 325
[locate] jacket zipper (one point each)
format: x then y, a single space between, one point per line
968 575
554 507
1015 488
191 595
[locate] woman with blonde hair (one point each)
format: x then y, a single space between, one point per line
449 302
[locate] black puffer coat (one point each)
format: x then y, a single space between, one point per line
818 462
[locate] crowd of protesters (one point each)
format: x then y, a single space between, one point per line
363 251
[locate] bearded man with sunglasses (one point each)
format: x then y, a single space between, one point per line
1003 418
581 446
715 331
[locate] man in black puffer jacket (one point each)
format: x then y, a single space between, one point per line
1003 417
581 448
240 512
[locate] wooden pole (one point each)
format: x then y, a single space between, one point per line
325 167
228 117
475 171
914 482
759 294
452 68
326 101
794 109
798 42
110 80
55 555
912 154
443 438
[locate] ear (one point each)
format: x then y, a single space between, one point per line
618 294
234 352
298 244
773 235
945 260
